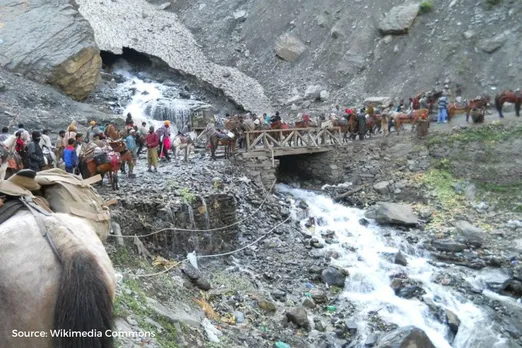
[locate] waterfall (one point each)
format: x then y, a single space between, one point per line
363 251
191 216
205 214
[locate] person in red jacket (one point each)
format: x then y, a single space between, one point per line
152 142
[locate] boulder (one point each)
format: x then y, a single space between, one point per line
299 317
408 336
334 276
312 92
468 34
382 187
324 95
453 321
469 234
267 306
448 245
61 52
240 15
494 43
289 47
393 214
399 19
319 296
400 259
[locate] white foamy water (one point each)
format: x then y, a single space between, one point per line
368 285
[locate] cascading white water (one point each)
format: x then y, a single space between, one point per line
152 102
368 285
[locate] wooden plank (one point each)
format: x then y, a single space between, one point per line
276 143
254 143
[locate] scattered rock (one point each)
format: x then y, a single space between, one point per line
226 73
299 317
184 95
240 15
164 6
453 321
267 306
493 44
312 92
337 30
399 19
294 99
396 284
409 336
469 234
319 296
190 317
448 245
289 47
512 286
394 214
364 222
382 187
387 39
400 259
308 303
469 34
334 276
324 95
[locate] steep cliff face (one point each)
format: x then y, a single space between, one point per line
49 42
149 29
475 43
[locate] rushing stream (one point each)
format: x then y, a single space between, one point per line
362 251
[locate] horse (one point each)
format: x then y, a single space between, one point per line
343 124
510 96
215 138
477 114
304 124
89 167
399 119
278 124
431 99
67 281
181 142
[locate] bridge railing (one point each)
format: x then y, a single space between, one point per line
293 138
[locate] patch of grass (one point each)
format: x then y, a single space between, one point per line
490 133
506 196
426 6
187 196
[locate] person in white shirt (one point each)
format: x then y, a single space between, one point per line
26 137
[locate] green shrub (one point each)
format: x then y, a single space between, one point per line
426 6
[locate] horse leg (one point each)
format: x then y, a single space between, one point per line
517 108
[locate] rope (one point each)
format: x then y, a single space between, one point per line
216 255
209 230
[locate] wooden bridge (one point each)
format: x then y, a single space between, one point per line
292 141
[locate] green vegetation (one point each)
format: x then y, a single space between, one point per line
426 6
187 196
505 196
493 132
490 4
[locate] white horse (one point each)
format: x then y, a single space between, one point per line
62 281
184 143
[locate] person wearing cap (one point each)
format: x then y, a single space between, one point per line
447 91
34 153
92 131
152 142
130 141
164 133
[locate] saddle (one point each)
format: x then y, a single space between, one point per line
461 105
101 159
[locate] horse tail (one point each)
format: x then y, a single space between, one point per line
84 299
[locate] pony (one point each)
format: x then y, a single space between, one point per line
215 138
89 167
125 155
278 124
67 280
343 124
508 96
181 142
399 119
431 99
15 162
305 123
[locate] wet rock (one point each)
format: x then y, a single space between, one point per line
364 222
409 336
411 292
448 245
400 259
195 276
267 306
371 340
393 214
184 95
299 317
289 48
319 296
396 284
469 234
382 187
512 286
399 19
453 321
334 276
434 308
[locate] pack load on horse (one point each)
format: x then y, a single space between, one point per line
15 162
508 96
276 122
56 274
342 123
216 138
184 142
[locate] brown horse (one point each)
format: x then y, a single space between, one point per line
229 143
514 97
399 119
343 125
277 135
431 99
304 124
89 167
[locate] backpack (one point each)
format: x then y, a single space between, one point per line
70 194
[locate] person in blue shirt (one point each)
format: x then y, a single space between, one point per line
69 156
132 146
443 109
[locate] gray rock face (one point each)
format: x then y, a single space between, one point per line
399 19
117 24
50 42
394 214
405 337
289 47
469 234
382 187
448 245
334 276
